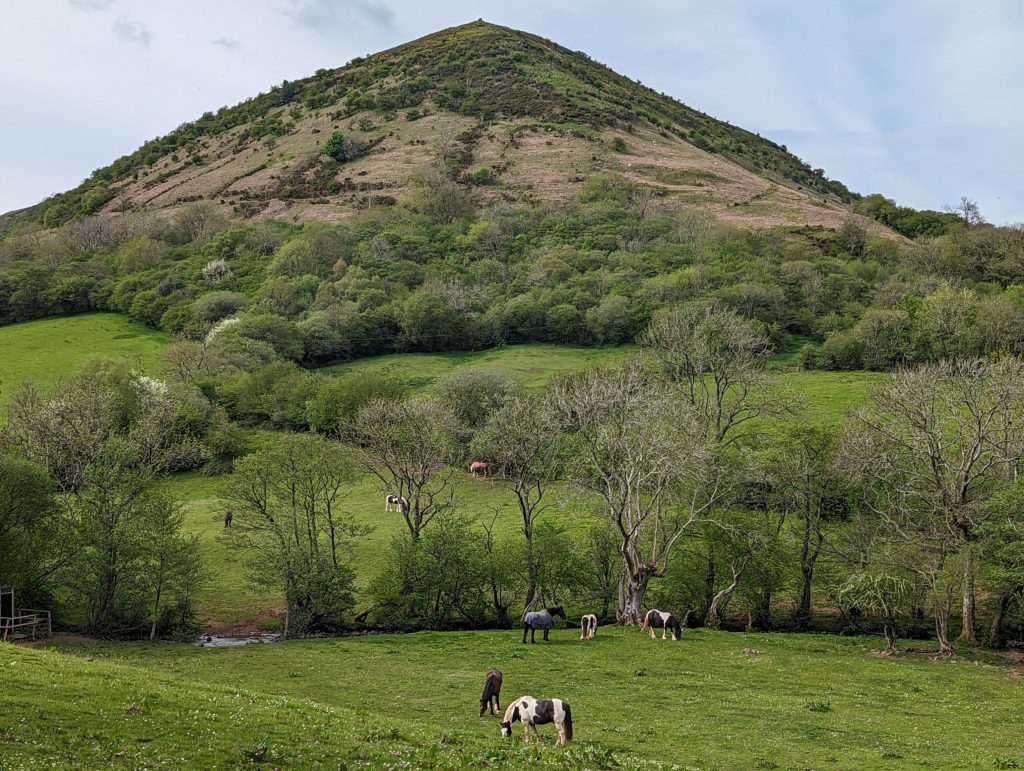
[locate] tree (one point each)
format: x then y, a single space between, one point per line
475 393
129 544
804 482
718 357
406 444
882 593
523 440
642 450
28 524
340 147
933 446
287 502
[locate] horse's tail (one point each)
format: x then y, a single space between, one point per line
647 617
488 691
568 722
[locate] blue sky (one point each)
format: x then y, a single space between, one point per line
917 99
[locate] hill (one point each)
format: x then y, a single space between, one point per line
523 115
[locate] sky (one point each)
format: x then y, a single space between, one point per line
917 99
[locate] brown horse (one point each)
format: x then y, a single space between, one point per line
228 516
492 692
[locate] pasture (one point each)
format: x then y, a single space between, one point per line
43 351
790 701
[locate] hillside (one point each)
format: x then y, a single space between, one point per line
538 117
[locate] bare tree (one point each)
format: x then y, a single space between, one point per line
406 444
935 443
642 450
718 357
968 210
523 440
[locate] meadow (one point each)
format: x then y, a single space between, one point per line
715 700
45 350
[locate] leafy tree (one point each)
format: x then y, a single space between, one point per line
289 520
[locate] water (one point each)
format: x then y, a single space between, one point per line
228 641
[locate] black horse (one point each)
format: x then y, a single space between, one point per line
541 619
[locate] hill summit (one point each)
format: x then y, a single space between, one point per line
519 116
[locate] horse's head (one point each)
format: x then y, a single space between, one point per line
506 729
556 611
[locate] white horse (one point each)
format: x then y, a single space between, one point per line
532 713
588 627
396 503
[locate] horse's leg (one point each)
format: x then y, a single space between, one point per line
533 636
650 631
545 635
525 627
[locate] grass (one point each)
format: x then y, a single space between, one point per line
799 701
44 351
531 364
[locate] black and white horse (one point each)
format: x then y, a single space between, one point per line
588 627
492 691
532 713
666 621
396 503
541 619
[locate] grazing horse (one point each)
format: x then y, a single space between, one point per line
396 503
228 516
588 627
483 467
532 713
541 619
655 618
492 692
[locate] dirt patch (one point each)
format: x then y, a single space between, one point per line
244 628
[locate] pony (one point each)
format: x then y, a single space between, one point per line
588 627
541 619
228 516
480 466
492 692
655 618
398 502
532 713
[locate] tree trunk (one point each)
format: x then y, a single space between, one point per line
942 632
631 612
721 599
968 634
889 628
997 632
156 604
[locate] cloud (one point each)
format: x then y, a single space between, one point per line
132 31
90 5
326 15
227 43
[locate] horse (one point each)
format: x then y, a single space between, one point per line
541 619
398 502
228 516
531 713
655 618
480 465
492 692
588 627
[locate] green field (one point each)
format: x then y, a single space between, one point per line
44 351
531 364
797 701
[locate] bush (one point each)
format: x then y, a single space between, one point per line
340 148
215 306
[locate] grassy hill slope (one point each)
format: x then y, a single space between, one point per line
798 701
43 351
539 117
